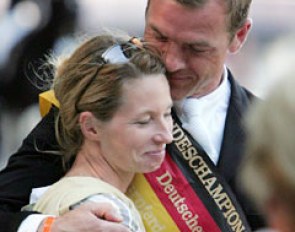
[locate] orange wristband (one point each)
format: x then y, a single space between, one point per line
48 223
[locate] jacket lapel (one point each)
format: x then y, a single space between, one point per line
232 147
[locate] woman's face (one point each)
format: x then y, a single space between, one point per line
134 140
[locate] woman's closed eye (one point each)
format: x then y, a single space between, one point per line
143 121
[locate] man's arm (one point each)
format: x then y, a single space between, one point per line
11 221
28 168
88 217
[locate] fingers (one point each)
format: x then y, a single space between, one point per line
104 210
90 217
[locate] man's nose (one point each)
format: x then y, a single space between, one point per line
174 58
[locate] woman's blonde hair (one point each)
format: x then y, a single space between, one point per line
85 82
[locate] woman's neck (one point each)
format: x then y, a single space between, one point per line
90 163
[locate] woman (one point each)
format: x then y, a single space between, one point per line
114 120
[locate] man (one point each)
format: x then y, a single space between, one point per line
194 38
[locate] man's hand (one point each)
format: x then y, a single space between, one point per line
89 217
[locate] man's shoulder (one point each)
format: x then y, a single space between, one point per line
240 92
42 137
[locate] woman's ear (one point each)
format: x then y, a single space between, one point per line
240 37
89 125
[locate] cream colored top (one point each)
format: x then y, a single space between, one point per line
70 192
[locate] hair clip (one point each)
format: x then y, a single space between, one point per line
136 41
120 53
114 54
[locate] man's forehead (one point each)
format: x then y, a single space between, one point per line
181 40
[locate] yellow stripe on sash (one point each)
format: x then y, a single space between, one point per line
153 213
46 100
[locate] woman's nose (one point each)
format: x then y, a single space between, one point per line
164 135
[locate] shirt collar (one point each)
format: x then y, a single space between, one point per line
211 99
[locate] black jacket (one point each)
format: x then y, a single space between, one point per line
29 168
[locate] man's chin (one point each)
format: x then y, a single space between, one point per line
177 96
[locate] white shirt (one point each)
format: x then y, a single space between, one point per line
32 222
212 109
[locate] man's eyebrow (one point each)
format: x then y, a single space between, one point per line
202 43
155 29
199 44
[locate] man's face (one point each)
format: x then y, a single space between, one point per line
194 43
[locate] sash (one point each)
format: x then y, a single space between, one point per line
186 193
46 101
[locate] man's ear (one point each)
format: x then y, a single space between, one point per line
89 125
240 37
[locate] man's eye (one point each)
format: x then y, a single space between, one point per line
160 38
198 50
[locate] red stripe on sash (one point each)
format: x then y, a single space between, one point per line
180 200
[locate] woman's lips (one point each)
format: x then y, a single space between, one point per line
157 152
